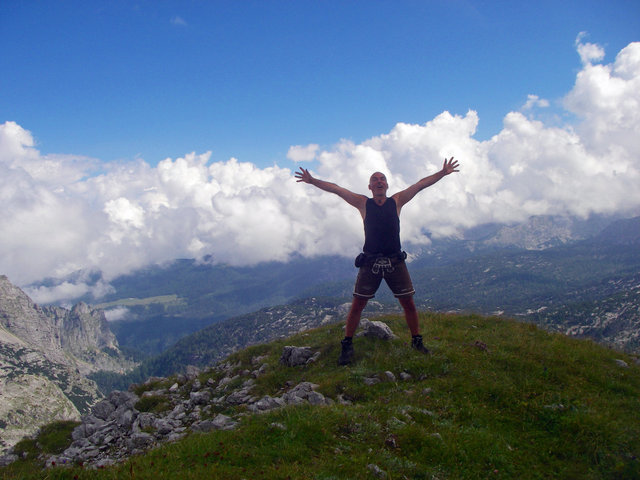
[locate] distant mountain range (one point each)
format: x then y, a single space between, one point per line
163 303
586 285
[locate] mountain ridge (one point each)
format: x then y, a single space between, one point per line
45 355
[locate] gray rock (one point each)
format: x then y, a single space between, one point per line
220 422
375 329
164 427
177 411
144 421
140 440
124 416
294 356
267 403
103 409
118 398
224 382
263 368
304 392
7 459
91 454
89 426
377 471
192 372
199 398
239 397
316 398
105 462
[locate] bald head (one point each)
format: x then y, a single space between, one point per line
378 184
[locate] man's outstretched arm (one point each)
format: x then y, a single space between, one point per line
406 195
354 199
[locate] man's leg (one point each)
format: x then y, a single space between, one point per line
366 286
410 314
353 318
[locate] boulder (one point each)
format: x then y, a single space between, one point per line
375 329
294 356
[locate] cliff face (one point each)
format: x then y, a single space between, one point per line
27 321
45 353
85 335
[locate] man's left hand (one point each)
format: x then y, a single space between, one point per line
450 166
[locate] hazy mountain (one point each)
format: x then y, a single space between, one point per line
592 261
45 355
162 304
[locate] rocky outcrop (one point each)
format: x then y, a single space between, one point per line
45 353
217 398
126 424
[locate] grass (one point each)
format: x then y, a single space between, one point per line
52 439
496 399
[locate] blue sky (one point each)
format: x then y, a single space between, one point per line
119 80
138 132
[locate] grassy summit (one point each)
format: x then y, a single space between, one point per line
497 399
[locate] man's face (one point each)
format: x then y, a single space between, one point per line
378 184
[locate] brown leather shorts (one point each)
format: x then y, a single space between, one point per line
395 274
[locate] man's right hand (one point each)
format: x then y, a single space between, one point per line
303 176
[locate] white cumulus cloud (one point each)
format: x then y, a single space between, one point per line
589 52
60 217
302 153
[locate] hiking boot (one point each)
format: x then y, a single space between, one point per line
416 343
346 356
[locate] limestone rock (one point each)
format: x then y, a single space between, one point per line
294 356
375 329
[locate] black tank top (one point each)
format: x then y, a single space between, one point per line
381 228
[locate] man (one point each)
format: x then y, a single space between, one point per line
382 255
